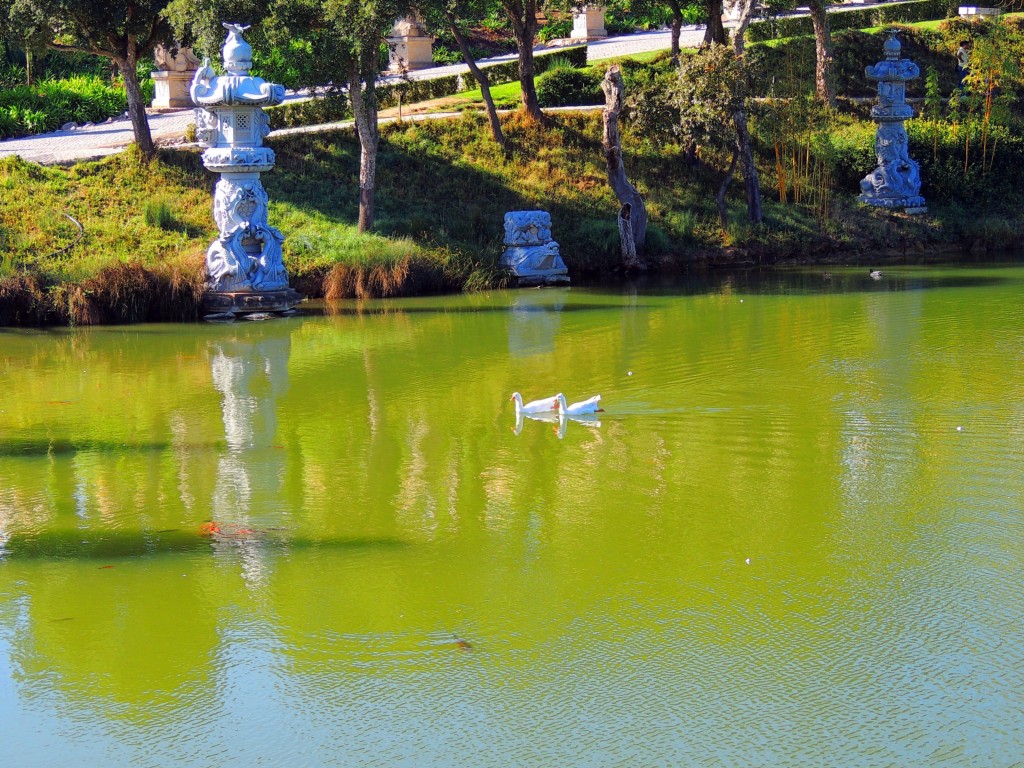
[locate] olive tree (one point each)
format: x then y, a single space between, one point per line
347 36
120 30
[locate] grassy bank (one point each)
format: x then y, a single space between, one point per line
443 190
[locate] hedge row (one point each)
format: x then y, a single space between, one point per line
335 107
903 13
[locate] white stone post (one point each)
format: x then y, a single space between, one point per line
411 46
173 75
588 23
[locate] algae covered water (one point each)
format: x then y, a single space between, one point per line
794 537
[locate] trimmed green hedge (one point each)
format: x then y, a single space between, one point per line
569 87
905 13
335 107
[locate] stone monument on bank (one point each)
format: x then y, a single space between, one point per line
410 45
588 23
245 271
530 252
896 182
175 68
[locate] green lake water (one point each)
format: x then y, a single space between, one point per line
794 537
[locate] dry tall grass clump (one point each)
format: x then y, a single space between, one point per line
22 300
134 293
407 276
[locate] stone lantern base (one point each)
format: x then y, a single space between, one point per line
248 302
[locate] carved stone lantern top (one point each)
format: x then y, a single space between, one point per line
892 74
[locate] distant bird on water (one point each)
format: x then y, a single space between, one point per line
875 274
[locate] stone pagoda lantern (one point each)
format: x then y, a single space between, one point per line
410 45
896 182
244 267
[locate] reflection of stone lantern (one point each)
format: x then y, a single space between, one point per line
410 45
245 271
896 182
174 70
588 23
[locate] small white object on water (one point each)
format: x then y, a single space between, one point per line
959 429
748 561
875 274
629 373
741 301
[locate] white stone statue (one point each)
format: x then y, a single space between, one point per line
174 59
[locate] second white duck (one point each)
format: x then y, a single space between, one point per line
589 405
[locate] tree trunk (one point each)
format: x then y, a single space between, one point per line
715 32
739 119
523 18
364 110
746 156
136 105
630 261
28 65
677 27
824 71
723 209
626 193
481 78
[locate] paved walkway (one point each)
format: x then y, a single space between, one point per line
91 142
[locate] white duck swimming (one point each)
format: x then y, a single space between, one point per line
535 406
579 409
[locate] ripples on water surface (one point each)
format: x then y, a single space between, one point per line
324 541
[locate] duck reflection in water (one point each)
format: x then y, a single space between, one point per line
558 420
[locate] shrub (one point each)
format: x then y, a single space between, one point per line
564 87
920 10
157 213
50 104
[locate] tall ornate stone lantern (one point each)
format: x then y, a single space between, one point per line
896 182
245 271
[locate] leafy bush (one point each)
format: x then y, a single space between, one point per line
786 68
554 30
157 213
48 105
920 10
564 87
